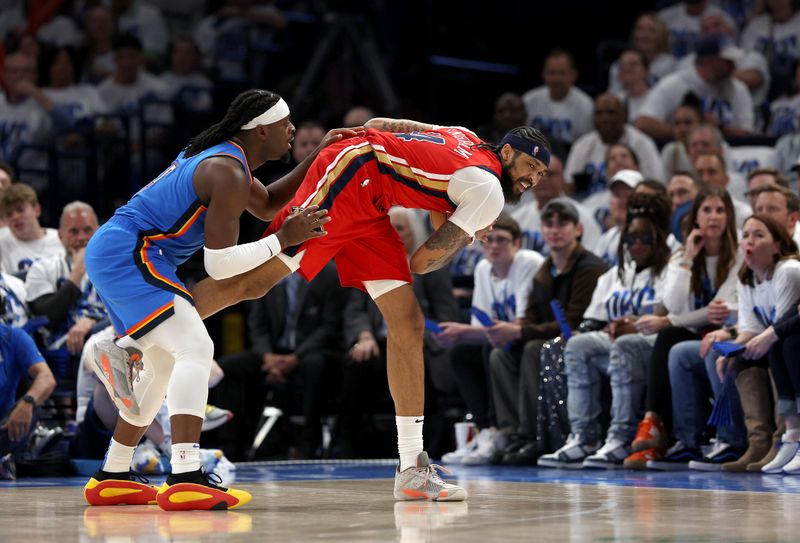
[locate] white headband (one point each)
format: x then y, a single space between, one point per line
274 114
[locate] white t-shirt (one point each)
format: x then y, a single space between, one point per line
60 31
762 305
16 255
478 197
684 28
588 156
125 98
24 123
566 120
663 64
78 101
729 102
741 209
15 306
784 116
505 298
146 23
784 38
748 60
529 218
638 294
678 295
194 90
607 245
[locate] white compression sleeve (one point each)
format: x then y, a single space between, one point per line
230 261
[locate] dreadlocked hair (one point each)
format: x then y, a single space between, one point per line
527 132
655 209
244 108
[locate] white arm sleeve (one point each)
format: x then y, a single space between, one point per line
478 198
230 261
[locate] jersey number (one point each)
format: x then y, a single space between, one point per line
417 136
161 176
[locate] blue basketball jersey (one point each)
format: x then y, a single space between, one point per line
168 212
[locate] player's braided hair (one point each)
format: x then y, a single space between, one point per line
242 110
527 132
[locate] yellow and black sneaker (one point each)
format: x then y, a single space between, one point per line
124 488
197 490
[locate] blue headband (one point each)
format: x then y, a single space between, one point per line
528 147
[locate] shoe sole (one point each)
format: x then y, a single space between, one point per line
561 465
196 497
106 375
115 492
601 465
408 495
704 466
657 466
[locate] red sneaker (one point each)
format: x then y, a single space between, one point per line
650 434
106 488
638 460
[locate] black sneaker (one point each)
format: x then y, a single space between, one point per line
721 453
677 458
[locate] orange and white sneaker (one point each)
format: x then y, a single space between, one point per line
118 368
638 460
649 434
423 482
126 488
198 491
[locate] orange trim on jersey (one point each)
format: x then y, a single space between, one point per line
149 318
246 165
146 241
337 170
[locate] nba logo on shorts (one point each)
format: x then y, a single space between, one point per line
183 455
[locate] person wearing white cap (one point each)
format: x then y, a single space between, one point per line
163 347
621 186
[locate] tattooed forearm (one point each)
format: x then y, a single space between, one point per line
397 125
439 249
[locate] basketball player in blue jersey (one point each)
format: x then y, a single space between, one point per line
164 348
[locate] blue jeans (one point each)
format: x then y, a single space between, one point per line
690 377
588 358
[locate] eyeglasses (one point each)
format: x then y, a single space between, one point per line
631 239
498 240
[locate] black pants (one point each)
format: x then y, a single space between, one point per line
470 365
658 397
786 373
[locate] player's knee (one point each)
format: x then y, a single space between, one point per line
409 324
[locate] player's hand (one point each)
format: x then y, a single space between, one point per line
503 333
303 224
338 134
77 334
760 345
18 421
365 349
710 338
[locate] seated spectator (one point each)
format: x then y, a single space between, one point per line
24 120
787 150
509 112
769 288
704 139
144 21
130 82
184 82
619 156
681 189
559 108
59 289
528 213
18 418
711 170
751 66
623 183
784 113
98 47
700 294
610 344
568 275
503 281
781 204
587 157
774 35
25 241
296 347
683 21
7 178
674 155
760 178
650 38
634 82
725 100
359 115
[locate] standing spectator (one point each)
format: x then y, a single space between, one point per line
558 107
674 155
650 37
711 170
25 240
18 418
634 82
683 21
774 35
528 213
503 281
588 154
568 275
725 100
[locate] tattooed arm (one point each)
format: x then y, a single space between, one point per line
397 125
439 249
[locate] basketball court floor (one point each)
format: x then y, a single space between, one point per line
348 501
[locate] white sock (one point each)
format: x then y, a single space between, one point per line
791 435
118 457
128 341
409 440
185 457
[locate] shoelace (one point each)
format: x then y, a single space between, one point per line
135 366
431 474
139 477
212 478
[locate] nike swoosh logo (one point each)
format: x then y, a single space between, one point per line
419 420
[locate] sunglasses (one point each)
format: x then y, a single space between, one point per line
644 239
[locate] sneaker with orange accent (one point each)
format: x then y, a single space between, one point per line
198 491
423 482
117 368
638 460
649 434
125 488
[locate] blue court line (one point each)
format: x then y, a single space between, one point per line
262 472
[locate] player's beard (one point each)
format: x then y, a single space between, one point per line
507 184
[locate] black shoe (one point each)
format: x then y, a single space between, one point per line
677 458
527 455
720 454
